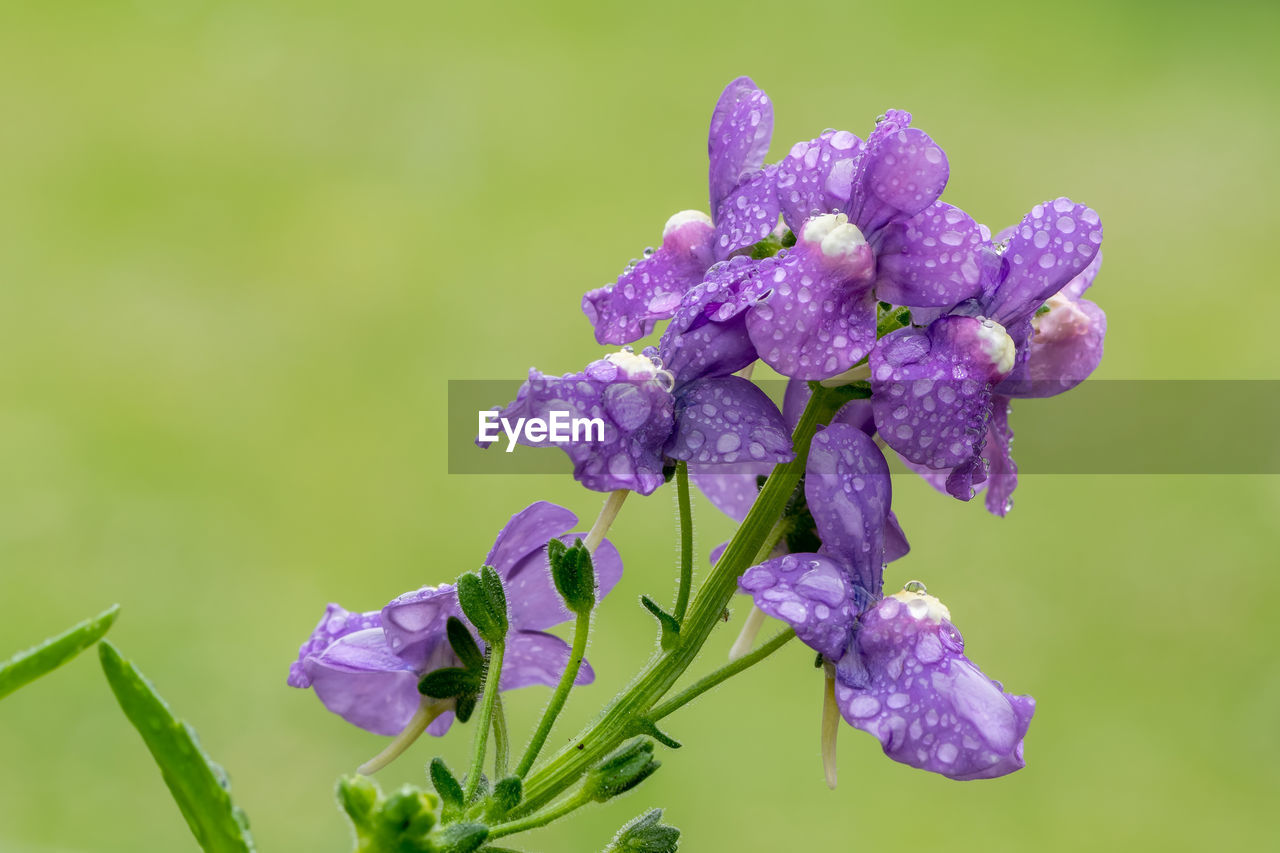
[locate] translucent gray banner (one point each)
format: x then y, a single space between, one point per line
1100 427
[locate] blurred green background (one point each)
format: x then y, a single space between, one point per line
244 245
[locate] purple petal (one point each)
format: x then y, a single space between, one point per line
848 492
731 493
651 289
931 390
1064 350
531 593
415 622
1075 288
748 214
361 680
708 334
926 702
533 657
895 540
630 395
336 623
810 593
929 259
1002 476
727 420
817 176
904 173
528 531
817 317
1054 243
741 126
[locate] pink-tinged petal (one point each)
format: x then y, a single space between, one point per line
931 390
816 317
1052 244
336 623
741 126
904 173
414 622
1002 473
361 680
848 492
817 176
527 531
928 704
1064 350
534 657
809 592
930 259
531 593
651 289
727 421
748 214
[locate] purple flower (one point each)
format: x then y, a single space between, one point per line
870 227
651 414
909 684
744 210
365 667
898 664
941 392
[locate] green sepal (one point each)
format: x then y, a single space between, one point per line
670 627
646 834
358 796
621 770
485 603
766 248
407 815
448 789
573 574
460 838
506 796
199 786
463 644
449 682
25 667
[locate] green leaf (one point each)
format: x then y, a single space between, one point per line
199 786
25 667
446 785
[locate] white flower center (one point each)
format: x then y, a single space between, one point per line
922 605
835 234
684 217
997 345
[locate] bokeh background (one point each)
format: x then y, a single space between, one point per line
244 245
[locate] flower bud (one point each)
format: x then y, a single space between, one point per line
646 834
447 787
621 770
484 603
573 574
358 796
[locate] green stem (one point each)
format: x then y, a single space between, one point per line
722 674
541 819
581 629
686 540
501 743
487 703
617 722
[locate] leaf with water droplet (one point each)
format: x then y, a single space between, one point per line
197 784
25 667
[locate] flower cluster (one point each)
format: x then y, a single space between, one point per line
900 323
